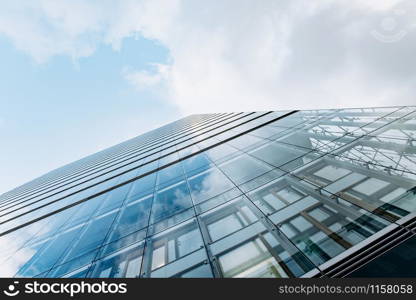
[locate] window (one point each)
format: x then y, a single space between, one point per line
208 184
92 237
196 162
244 168
332 173
370 186
252 259
125 263
228 218
224 227
323 230
142 185
173 244
275 195
277 154
170 201
133 217
170 174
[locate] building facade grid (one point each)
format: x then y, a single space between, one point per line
260 194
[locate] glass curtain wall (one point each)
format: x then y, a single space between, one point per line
265 194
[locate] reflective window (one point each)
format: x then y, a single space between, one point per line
221 152
246 142
374 191
143 185
276 195
92 236
323 228
244 168
269 132
202 271
208 184
47 253
331 173
268 152
123 264
228 218
114 199
251 259
170 201
255 252
196 162
174 245
170 174
284 199
133 217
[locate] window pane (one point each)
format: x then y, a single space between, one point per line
170 201
277 154
170 246
170 174
133 217
208 184
244 168
125 263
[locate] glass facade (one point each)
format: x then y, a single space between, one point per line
264 194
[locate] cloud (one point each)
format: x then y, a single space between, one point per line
12 251
239 55
144 79
285 55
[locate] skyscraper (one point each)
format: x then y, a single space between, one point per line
264 194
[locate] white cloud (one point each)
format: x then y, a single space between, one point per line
144 79
239 55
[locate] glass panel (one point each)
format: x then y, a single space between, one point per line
228 218
276 195
170 245
208 184
172 221
196 162
255 252
221 152
323 227
370 186
85 211
170 201
115 199
277 154
73 265
171 174
202 271
250 260
224 227
269 132
122 243
374 190
142 185
125 263
49 253
158 257
133 217
244 168
246 142
92 237
332 173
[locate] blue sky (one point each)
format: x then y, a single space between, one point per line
61 110
77 76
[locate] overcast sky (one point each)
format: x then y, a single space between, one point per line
79 76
